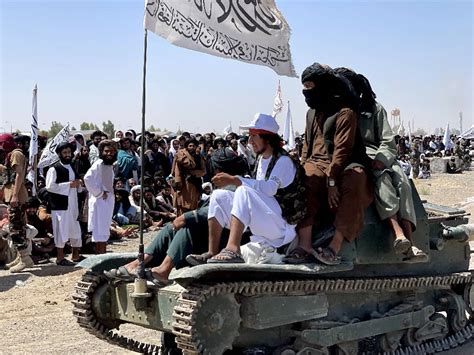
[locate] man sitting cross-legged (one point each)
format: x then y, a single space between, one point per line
185 235
256 203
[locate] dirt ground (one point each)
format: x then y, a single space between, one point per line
35 306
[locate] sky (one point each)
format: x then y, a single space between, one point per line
86 58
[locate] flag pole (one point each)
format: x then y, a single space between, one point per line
141 248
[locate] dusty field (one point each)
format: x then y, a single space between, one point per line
36 317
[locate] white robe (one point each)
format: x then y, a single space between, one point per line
255 206
65 223
99 179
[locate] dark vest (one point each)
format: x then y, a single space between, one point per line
60 202
292 199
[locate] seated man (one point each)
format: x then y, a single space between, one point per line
124 213
183 236
256 203
156 209
393 195
335 162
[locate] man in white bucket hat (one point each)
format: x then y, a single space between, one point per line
253 204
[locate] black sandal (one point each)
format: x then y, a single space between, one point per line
327 256
299 256
65 262
230 257
198 259
157 282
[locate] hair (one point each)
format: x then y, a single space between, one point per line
191 141
21 139
96 134
274 140
123 140
107 143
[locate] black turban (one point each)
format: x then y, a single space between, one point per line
316 71
63 145
227 161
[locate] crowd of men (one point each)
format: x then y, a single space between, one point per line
230 199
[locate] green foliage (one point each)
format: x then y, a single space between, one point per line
108 128
56 127
88 126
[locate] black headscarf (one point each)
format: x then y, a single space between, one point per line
361 86
332 91
227 161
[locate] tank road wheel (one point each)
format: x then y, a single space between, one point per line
409 338
217 324
390 341
468 296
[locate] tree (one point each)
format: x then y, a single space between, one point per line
151 129
84 126
73 128
108 128
56 127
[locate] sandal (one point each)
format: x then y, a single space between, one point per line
229 257
198 259
401 246
415 255
79 259
299 256
120 274
65 262
327 256
157 282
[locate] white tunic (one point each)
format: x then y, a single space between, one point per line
255 206
99 179
65 223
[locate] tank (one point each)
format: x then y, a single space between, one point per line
373 302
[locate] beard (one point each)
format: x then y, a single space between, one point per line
66 161
108 160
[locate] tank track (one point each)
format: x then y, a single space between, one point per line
82 301
190 302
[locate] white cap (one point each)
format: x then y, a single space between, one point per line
263 122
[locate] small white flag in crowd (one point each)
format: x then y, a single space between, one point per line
278 103
49 155
33 140
254 32
447 139
228 129
288 132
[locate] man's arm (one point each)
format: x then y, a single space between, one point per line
18 164
387 150
344 138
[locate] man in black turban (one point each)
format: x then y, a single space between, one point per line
335 161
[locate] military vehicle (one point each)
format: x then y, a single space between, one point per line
373 302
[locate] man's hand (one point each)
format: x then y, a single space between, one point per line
223 179
104 195
74 184
333 197
378 165
14 201
179 223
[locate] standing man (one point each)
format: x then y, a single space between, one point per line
16 196
99 181
335 163
126 161
96 136
62 184
188 170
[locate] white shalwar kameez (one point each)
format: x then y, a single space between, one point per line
99 179
65 223
253 203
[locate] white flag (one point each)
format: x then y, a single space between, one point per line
447 139
278 103
250 31
409 135
228 129
31 176
49 156
288 132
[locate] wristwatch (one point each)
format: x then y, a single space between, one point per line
331 182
